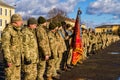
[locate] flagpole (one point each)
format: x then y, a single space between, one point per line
79 15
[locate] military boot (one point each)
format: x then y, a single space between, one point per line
49 78
57 77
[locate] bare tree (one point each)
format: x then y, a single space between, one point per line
55 11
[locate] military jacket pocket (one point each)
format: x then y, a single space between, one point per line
15 55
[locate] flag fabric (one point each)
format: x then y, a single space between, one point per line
77 42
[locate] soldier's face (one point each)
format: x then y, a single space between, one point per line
33 26
18 23
60 27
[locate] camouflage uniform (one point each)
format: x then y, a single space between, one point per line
12 48
44 50
99 42
60 50
69 58
85 42
104 40
92 43
30 53
51 71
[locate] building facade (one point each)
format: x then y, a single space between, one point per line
6 11
108 29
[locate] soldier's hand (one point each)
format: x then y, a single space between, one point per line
9 64
27 61
46 57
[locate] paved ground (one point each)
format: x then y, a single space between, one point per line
101 66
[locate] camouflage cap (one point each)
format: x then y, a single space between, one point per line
16 17
31 21
41 20
52 25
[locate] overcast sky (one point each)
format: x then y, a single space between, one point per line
94 12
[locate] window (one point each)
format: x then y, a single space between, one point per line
0 22
10 13
0 11
6 12
5 22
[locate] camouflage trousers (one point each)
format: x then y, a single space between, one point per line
30 72
103 46
41 69
13 73
84 53
69 58
51 70
58 60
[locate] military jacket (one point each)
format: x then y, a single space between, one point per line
43 42
53 42
85 39
30 47
12 44
61 42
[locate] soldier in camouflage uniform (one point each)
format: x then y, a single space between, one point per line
85 42
69 30
104 40
92 42
12 48
66 59
51 71
61 48
99 41
43 46
30 50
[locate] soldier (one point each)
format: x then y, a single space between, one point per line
61 48
51 71
85 42
69 31
12 48
65 54
104 40
43 46
30 50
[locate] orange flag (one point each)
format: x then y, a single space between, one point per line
77 42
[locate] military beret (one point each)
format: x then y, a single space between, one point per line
41 20
32 21
16 17
52 25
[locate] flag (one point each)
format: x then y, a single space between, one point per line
77 42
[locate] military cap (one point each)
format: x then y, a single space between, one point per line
63 23
52 25
83 27
41 20
16 17
59 24
68 26
32 21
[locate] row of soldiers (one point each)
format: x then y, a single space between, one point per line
36 49
40 49
93 42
